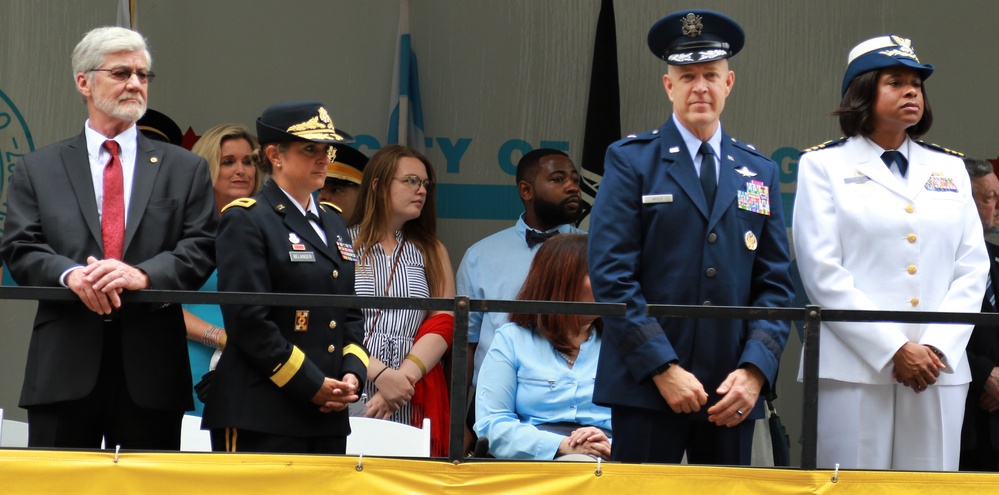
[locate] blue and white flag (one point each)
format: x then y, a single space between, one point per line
406 112
128 14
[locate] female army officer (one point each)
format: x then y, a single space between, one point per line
288 373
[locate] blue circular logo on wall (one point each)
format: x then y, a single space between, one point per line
15 142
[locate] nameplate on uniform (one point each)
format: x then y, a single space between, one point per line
756 198
657 198
304 257
857 179
937 182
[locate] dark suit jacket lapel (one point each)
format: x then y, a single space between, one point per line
680 167
76 162
994 273
297 223
147 165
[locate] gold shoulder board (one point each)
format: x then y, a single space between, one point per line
331 205
241 202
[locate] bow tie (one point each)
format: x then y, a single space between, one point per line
534 237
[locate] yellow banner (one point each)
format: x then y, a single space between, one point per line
97 472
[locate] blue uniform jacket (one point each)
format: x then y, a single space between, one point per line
653 241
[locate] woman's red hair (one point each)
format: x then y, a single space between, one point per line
557 274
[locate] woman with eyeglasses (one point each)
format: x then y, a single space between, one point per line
394 228
287 375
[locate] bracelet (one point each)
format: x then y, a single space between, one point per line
211 337
416 361
375 379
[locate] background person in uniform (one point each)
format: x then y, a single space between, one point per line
395 234
159 127
104 212
535 396
228 148
980 434
288 373
495 267
882 221
343 179
686 214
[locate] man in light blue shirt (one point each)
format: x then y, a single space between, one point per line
495 267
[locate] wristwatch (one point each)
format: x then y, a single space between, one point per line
662 369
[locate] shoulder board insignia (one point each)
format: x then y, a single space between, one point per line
645 136
747 147
331 205
940 148
827 144
241 202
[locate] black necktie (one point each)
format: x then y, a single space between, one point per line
315 218
990 292
890 157
708 181
534 237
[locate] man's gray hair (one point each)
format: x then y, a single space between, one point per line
977 167
96 44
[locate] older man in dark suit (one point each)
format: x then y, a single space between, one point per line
980 435
686 214
101 213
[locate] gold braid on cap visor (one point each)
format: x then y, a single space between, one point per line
318 127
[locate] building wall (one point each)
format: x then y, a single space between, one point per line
498 77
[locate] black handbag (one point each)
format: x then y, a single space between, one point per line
778 434
204 387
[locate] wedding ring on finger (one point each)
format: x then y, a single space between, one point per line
738 412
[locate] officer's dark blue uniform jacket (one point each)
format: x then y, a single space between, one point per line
276 357
668 249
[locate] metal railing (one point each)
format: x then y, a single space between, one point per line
812 315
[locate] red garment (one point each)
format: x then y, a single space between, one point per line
113 205
432 398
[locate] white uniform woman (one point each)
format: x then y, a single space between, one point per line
883 221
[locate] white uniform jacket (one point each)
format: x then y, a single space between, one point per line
865 239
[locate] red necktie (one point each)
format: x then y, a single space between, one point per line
113 207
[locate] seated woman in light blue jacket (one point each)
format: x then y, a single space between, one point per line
535 391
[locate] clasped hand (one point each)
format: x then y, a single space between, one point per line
395 389
685 394
587 440
916 366
334 395
99 284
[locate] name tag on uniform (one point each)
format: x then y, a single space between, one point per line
657 198
306 257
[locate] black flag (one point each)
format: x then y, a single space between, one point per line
603 108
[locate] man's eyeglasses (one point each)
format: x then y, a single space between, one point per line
122 74
415 182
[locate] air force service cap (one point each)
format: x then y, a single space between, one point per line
695 36
884 51
300 120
